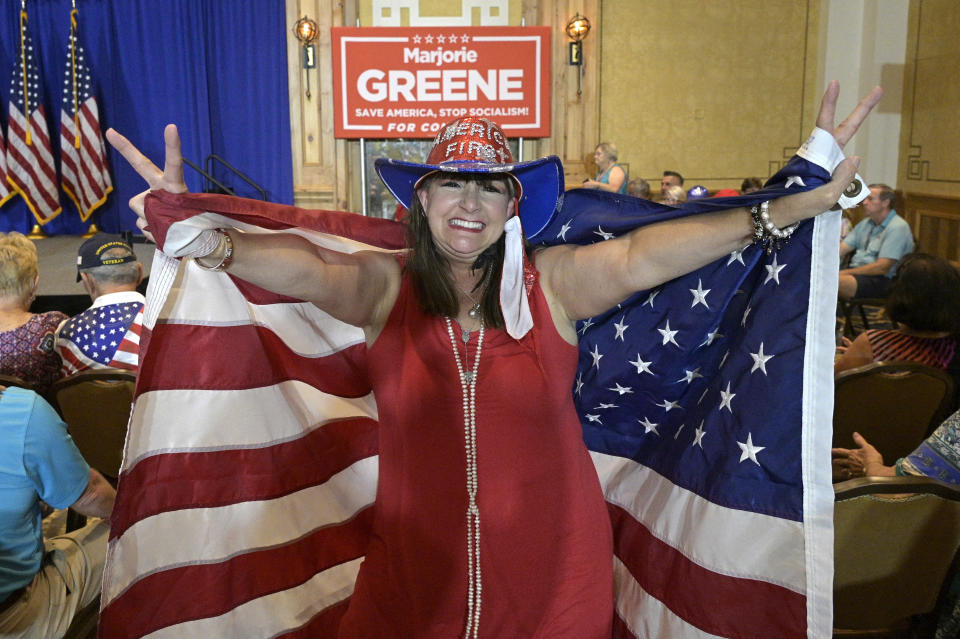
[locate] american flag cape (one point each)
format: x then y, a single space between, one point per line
85 176
30 168
107 335
250 463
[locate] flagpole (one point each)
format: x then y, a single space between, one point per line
73 75
23 72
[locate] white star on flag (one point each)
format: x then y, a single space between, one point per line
605 235
793 179
736 256
563 231
749 450
648 426
668 335
690 375
642 366
698 436
760 360
699 295
711 336
622 390
773 270
621 327
650 297
596 356
587 323
667 405
725 398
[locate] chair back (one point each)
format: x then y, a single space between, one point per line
95 404
895 539
895 405
12 380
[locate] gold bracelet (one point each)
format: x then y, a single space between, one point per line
227 258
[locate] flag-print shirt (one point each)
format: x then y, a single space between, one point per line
106 335
28 351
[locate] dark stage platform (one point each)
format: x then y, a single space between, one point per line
59 289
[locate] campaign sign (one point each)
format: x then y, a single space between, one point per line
406 82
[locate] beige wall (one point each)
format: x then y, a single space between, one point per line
930 136
718 91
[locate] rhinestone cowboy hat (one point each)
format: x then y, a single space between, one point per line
477 145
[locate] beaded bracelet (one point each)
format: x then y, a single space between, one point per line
227 258
765 232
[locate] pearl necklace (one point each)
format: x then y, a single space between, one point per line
468 389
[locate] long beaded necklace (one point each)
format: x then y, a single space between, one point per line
468 388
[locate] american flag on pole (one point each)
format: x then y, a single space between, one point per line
30 168
83 157
5 192
250 464
107 335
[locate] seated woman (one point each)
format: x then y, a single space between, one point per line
925 304
610 175
26 339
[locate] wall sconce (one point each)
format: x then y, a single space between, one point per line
577 29
307 31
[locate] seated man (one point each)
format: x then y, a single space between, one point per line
43 583
880 240
107 335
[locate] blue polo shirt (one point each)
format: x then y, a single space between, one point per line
38 460
891 239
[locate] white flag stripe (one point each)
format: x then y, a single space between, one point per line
718 542
37 191
205 298
646 616
252 414
252 525
274 614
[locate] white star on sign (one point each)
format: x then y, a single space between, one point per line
749 450
642 366
596 356
622 390
698 436
667 405
648 426
760 360
604 234
726 397
773 270
700 295
621 327
668 335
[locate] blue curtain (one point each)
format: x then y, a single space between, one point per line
216 69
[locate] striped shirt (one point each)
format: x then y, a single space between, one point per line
891 345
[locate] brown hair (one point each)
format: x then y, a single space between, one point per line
430 270
925 294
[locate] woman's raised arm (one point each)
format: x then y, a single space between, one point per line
356 288
587 280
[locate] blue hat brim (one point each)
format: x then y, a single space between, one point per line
541 183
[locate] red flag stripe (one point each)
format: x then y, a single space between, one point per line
204 590
719 604
228 364
30 168
197 480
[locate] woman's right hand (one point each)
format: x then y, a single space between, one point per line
170 179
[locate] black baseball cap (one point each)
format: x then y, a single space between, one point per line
91 252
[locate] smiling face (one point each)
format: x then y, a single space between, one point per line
466 214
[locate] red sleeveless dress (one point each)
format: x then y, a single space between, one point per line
546 543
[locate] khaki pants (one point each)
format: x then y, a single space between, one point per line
69 579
